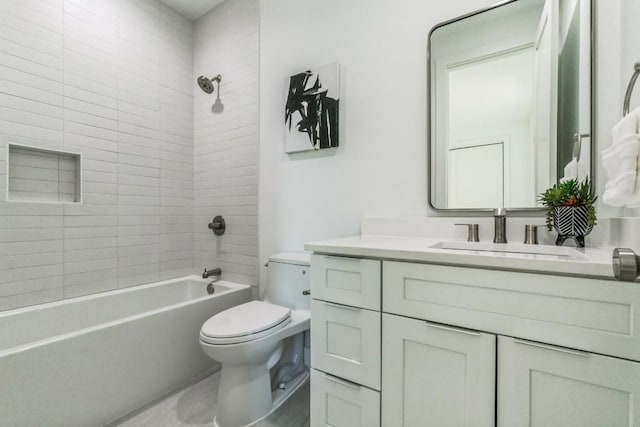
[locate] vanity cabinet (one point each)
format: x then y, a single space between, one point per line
600 316
465 346
345 341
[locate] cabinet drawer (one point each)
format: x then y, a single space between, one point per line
545 385
339 403
596 315
345 341
350 281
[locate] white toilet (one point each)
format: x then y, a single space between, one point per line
259 372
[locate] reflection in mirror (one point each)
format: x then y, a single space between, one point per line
509 88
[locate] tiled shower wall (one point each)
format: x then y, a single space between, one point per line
226 144
113 80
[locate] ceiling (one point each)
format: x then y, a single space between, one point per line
192 9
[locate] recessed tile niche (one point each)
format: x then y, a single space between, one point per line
43 175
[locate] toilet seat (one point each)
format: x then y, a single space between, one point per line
245 322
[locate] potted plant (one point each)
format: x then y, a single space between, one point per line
570 210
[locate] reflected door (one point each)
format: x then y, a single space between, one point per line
476 176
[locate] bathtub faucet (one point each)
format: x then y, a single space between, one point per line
215 274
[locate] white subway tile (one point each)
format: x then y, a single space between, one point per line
50 19
72 221
27 273
92 283
91 265
77 100
90 232
137 275
106 279
90 243
89 254
32 298
21 287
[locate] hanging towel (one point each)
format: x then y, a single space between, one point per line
620 160
575 169
583 170
571 170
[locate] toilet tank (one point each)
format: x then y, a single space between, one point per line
288 278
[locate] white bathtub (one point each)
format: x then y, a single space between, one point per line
89 360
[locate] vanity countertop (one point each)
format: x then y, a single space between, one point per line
586 262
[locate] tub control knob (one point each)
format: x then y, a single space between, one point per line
218 226
625 264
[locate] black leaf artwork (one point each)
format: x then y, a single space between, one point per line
311 112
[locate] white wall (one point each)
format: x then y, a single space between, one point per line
111 79
226 144
381 165
380 168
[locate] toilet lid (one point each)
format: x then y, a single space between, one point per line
248 321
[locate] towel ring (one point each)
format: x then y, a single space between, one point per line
632 82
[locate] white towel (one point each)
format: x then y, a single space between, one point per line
570 171
583 170
620 160
575 169
628 125
621 163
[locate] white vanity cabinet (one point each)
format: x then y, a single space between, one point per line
345 341
465 346
542 380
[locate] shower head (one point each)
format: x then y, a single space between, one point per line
206 84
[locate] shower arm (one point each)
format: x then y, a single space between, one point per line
632 82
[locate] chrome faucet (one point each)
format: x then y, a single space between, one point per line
216 273
500 225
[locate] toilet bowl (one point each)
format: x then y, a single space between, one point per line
249 339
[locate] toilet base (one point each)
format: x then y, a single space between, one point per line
278 397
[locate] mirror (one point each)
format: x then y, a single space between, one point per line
509 103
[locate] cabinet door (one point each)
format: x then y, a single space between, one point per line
436 375
339 403
540 385
345 341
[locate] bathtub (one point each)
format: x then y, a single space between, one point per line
89 360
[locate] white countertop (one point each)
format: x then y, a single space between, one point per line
586 262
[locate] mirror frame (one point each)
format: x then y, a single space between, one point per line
592 151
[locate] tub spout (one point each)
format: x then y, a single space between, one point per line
215 274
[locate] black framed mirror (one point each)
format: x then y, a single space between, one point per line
510 104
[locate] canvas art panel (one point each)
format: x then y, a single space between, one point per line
311 110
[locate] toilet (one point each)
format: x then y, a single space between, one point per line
260 344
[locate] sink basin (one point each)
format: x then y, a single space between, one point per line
514 249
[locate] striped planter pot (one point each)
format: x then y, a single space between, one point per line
571 222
